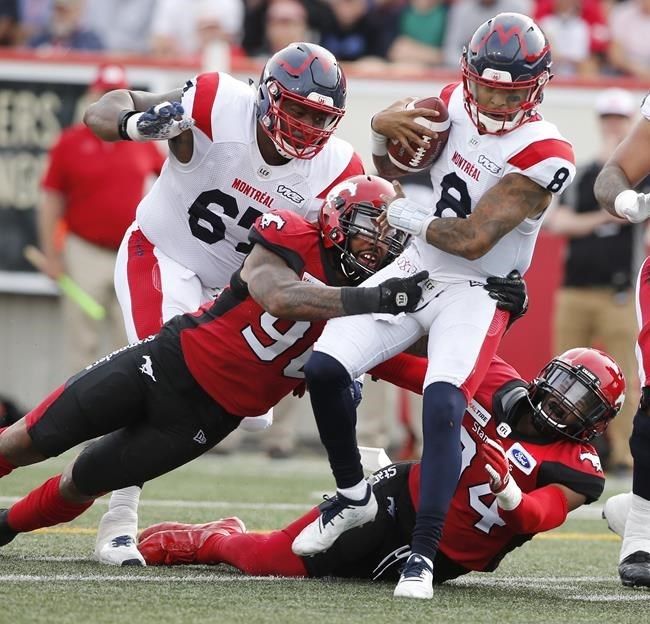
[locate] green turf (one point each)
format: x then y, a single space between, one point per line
565 578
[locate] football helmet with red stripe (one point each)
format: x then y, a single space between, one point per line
301 99
348 222
505 69
577 394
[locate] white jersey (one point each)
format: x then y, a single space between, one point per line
472 163
199 213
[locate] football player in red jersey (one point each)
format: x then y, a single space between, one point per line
235 153
614 190
508 490
163 401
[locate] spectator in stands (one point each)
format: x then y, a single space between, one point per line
421 27
35 15
594 13
629 49
465 16
183 29
286 22
595 305
123 25
94 187
65 30
357 31
9 22
569 35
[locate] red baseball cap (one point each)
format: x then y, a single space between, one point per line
110 77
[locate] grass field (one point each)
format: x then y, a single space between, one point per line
566 576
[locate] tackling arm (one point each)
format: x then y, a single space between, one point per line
281 292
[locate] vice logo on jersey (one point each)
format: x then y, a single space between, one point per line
290 194
521 458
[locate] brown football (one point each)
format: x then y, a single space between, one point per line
423 158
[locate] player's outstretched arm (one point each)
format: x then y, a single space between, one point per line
103 116
281 292
626 167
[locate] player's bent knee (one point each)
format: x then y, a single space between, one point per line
322 370
69 489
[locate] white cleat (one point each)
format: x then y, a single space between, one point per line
120 551
338 515
616 510
416 580
116 543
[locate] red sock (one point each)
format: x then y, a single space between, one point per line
5 467
259 554
43 507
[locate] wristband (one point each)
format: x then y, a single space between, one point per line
510 497
359 300
121 123
379 143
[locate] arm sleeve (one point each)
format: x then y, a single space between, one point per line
541 510
404 370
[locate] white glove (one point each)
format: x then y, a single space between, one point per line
633 206
404 214
158 123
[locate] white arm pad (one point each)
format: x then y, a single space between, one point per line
404 214
510 496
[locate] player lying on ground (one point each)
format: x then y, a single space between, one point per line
164 401
503 498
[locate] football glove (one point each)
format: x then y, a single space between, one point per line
502 484
510 293
633 206
401 294
159 123
404 214
356 389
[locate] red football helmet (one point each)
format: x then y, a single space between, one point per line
308 75
578 393
507 53
350 211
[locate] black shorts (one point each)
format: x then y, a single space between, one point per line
149 410
378 550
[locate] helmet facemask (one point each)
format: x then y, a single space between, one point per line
359 221
566 400
294 138
501 121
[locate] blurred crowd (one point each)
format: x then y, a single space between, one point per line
589 37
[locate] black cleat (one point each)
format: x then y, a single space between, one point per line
6 533
634 570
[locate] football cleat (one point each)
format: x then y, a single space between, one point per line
634 570
6 533
615 511
180 545
337 515
416 580
120 551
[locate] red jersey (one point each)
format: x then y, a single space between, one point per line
244 358
102 183
474 534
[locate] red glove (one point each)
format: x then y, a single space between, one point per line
502 485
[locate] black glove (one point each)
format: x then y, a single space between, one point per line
395 295
510 294
401 294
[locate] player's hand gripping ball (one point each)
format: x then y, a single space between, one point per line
423 157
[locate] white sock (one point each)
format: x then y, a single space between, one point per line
356 492
121 517
637 528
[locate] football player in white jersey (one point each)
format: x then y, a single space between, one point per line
235 153
614 189
493 182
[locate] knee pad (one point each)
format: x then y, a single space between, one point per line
322 370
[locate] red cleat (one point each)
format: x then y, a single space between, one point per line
175 543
